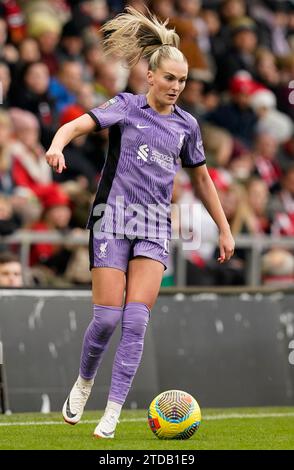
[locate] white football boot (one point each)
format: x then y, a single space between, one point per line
74 404
107 424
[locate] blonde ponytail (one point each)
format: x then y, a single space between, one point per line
132 36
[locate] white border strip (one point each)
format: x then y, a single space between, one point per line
137 420
44 293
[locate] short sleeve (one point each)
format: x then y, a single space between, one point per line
111 112
192 153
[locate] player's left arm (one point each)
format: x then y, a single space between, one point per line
206 192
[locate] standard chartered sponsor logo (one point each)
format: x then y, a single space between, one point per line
143 152
163 160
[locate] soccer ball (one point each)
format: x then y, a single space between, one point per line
174 415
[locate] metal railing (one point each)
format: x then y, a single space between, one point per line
255 246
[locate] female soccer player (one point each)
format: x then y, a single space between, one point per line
149 134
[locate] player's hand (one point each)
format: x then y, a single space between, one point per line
55 159
226 246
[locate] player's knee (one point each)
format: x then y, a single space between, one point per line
106 318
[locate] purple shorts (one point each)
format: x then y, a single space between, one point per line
107 251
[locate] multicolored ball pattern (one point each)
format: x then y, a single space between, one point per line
174 414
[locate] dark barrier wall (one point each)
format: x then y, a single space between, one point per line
226 350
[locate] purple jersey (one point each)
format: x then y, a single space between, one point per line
145 150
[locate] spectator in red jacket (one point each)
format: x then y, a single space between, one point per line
29 167
56 216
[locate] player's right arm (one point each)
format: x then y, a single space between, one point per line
65 134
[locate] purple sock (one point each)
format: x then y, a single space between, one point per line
97 337
129 351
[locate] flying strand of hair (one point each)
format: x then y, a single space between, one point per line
132 35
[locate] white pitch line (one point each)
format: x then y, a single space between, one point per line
48 423
249 415
136 420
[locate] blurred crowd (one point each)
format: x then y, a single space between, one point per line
240 89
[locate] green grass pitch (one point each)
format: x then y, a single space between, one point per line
242 428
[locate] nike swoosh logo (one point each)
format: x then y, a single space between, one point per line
107 433
68 411
142 127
